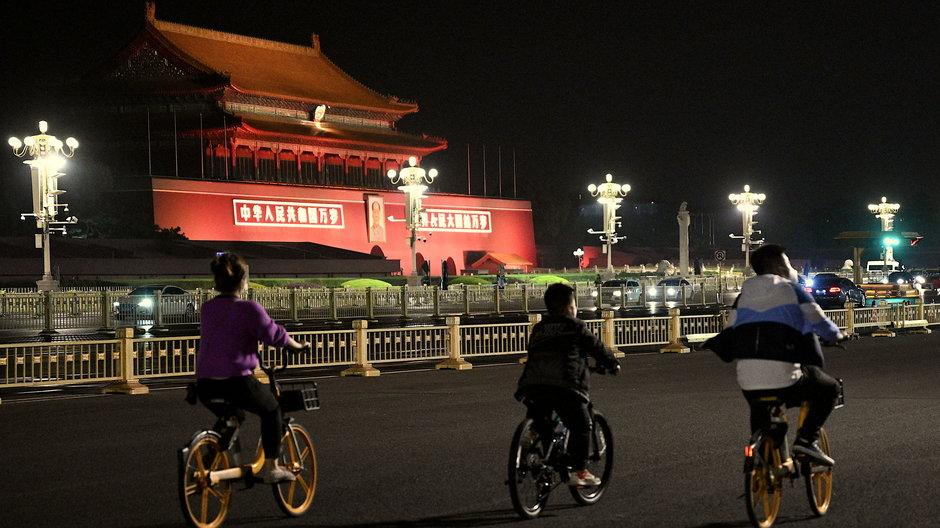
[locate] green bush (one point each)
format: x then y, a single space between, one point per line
468 279
365 283
548 279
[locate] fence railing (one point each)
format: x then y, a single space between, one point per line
127 359
109 310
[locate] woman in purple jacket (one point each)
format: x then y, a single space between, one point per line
231 328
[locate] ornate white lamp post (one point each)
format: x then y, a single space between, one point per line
579 254
48 159
747 203
609 195
885 212
412 180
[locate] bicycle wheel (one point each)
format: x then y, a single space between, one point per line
600 462
819 480
297 454
204 504
527 490
761 489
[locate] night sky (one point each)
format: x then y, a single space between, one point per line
823 108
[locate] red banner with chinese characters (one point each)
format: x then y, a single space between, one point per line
456 220
288 214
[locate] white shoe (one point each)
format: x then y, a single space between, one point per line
582 478
277 474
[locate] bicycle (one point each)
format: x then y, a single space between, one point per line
538 462
768 464
209 464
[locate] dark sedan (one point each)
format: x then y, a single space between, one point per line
139 304
831 291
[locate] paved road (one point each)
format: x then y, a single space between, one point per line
419 448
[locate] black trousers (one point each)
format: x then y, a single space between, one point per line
816 387
573 411
246 393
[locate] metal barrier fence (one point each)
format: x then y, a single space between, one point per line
61 310
127 359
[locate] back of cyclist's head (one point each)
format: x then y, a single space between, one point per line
558 297
768 258
228 270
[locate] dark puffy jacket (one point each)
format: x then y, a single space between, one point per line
558 350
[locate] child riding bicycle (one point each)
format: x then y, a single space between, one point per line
230 330
556 376
772 337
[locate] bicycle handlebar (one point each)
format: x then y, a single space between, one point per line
281 365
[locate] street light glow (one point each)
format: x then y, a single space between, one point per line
748 203
609 195
48 159
413 180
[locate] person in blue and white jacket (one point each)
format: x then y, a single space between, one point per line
774 344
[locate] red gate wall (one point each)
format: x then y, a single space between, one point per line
211 210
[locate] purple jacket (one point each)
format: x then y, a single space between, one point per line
230 331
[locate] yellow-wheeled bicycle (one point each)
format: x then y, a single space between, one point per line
768 463
209 464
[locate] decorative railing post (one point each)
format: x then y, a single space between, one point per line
850 319
608 334
598 302
525 298
334 314
403 297
128 384
106 308
496 299
294 311
453 361
157 312
437 302
879 312
466 299
362 367
533 320
370 305
47 313
921 317
675 334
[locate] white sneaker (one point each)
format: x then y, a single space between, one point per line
582 478
277 474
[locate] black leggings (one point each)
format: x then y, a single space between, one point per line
573 411
816 387
246 393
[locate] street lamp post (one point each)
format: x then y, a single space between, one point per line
609 195
48 159
885 212
747 203
412 180
579 253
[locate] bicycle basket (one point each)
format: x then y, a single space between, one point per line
299 396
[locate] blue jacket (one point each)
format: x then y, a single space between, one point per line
775 319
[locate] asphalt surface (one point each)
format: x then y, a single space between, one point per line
423 448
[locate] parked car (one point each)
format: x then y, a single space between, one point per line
831 291
670 290
612 292
901 277
139 303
